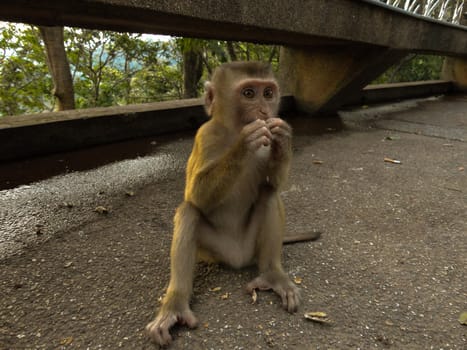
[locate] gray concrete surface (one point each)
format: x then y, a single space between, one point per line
390 268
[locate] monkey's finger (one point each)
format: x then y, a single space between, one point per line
259 138
281 131
277 122
156 333
292 301
283 294
189 319
255 130
254 125
163 334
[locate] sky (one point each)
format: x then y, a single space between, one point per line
152 37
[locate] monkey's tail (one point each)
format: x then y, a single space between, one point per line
302 237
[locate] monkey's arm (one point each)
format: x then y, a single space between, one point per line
212 169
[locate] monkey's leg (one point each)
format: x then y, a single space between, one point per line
269 251
175 305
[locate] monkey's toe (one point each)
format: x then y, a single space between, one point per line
157 335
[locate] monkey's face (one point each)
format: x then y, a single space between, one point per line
256 99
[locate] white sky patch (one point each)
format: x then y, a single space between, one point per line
148 37
156 37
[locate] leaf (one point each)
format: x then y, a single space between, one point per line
297 280
318 316
393 161
463 318
254 296
66 341
101 210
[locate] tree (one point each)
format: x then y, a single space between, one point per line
107 68
191 50
58 66
25 82
413 68
201 56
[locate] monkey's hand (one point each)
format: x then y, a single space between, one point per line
158 329
256 134
281 137
280 283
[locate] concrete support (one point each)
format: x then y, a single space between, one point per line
455 69
324 78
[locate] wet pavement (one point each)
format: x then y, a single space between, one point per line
397 226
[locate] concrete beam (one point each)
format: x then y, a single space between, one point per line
324 78
292 22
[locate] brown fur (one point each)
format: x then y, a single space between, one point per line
232 211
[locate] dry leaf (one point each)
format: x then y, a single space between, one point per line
254 296
463 318
393 161
101 210
66 341
318 316
392 137
129 193
215 289
297 280
318 162
225 296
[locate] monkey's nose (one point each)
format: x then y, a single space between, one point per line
263 114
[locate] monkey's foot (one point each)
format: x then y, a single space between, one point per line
158 329
281 284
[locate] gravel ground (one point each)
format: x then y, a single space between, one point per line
389 269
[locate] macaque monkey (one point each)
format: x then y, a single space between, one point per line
232 212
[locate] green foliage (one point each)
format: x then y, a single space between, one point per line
25 84
111 68
413 68
216 52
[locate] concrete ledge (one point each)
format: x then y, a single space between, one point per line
378 93
30 135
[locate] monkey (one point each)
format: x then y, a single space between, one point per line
232 212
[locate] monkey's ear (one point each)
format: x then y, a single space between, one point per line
208 97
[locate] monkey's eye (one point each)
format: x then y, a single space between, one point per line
268 93
248 92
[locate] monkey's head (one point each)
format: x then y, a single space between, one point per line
241 92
